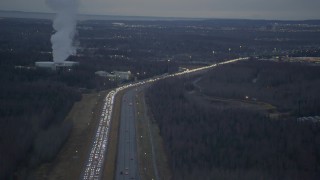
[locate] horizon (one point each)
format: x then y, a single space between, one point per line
287 10
138 17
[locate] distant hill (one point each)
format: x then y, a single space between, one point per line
38 15
29 15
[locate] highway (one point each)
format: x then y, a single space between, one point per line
127 164
94 165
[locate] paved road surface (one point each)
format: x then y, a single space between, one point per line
127 161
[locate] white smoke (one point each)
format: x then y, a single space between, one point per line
65 26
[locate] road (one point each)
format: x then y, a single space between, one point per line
93 166
127 161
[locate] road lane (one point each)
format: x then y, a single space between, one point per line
127 164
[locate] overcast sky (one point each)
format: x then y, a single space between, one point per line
249 9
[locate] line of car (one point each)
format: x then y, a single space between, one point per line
94 164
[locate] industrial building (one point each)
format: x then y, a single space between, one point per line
115 75
56 66
125 75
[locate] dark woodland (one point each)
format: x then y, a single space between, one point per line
219 141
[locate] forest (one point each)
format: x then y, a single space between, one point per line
34 102
31 127
228 142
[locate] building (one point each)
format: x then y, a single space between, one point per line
56 65
45 65
115 75
123 75
102 74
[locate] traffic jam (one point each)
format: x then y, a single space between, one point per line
94 164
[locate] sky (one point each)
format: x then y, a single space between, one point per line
239 9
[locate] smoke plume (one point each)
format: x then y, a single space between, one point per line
64 25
